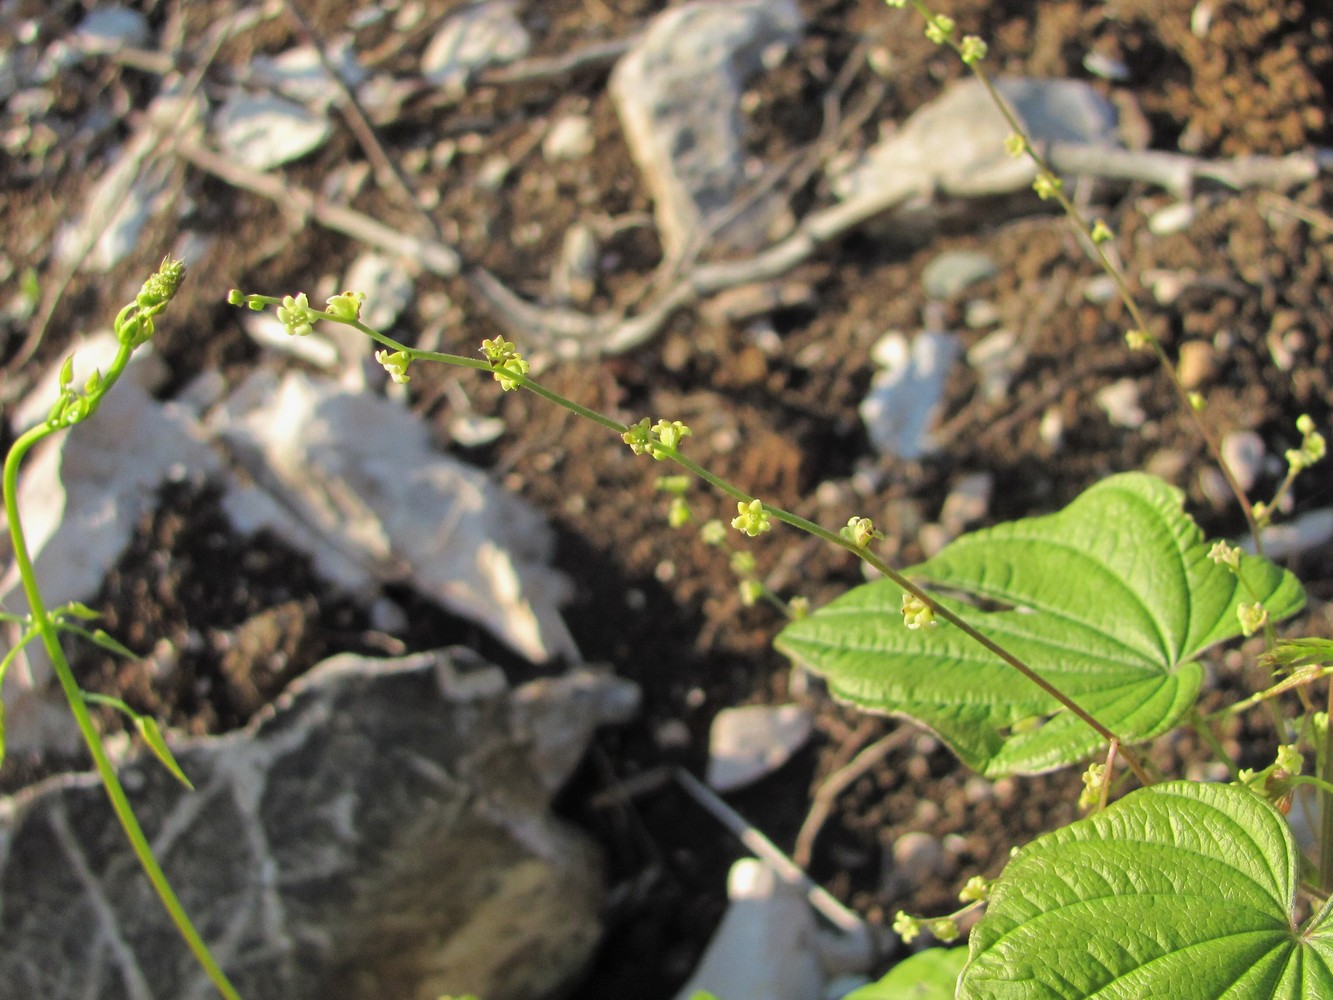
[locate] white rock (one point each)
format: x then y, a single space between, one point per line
996 358
570 138
1174 218
1244 453
1289 538
1120 400
471 39
360 487
766 947
299 73
955 144
746 743
109 29
678 93
967 502
904 396
133 189
265 131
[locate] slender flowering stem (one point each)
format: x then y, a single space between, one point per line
653 441
1048 186
134 327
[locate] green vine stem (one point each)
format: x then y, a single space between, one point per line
299 317
971 50
134 326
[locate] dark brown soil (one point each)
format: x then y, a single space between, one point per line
775 414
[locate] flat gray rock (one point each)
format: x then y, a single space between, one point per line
382 831
955 144
678 93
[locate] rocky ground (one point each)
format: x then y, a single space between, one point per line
1238 284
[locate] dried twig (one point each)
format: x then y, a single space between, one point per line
433 256
837 782
768 852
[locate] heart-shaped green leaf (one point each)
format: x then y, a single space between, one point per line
928 975
1110 599
1184 891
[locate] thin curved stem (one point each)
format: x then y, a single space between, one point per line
42 624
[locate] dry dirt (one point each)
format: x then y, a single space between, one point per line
776 413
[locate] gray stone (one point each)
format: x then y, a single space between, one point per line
382 831
955 144
1244 453
263 131
951 273
471 39
678 93
353 479
905 394
1120 400
749 742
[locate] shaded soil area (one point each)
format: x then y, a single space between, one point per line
772 400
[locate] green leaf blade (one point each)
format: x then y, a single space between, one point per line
928 975
1183 890
1109 599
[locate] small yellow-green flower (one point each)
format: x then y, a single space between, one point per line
678 512
1101 232
1015 145
861 531
751 518
395 364
939 29
1252 617
945 929
713 532
977 888
972 50
917 613
670 434
510 373
639 436
906 926
345 306
296 315
1047 185
751 591
1225 555
1137 340
498 351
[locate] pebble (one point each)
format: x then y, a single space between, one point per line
1051 429
749 742
263 131
1309 531
111 28
570 138
968 501
996 358
954 271
574 273
471 39
1244 451
1120 400
903 397
1197 363
918 859
1174 218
